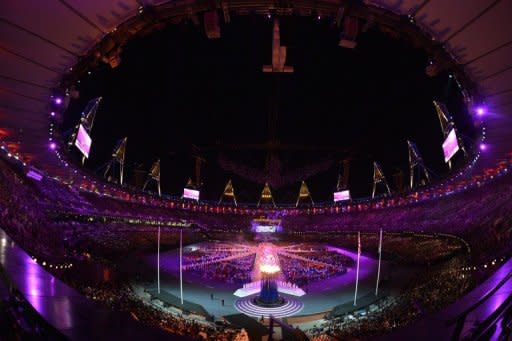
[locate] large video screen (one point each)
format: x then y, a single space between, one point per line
450 145
83 141
342 195
190 194
265 229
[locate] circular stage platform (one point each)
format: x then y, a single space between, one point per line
291 307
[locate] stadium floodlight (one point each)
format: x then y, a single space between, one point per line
480 111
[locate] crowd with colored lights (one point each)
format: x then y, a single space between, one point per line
225 265
304 264
463 181
479 209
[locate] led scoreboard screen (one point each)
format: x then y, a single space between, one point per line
265 229
265 225
450 145
341 196
83 141
190 194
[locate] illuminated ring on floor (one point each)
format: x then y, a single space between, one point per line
246 306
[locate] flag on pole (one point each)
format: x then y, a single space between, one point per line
357 267
378 268
380 242
181 265
359 244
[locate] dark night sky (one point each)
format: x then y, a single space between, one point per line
176 88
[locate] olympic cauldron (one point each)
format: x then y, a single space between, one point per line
269 296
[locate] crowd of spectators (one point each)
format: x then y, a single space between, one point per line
431 290
21 216
122 298
306 263
478 209
228 264
236 271
414 248
465 180
232 263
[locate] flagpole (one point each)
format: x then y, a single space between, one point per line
158 261
357 268
181 265
378 269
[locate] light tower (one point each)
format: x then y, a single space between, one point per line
447 125
229 193
266 195
443 116
86 120
154 175
304 194
89 113
343 176
378 178
415 161
198 162
118 156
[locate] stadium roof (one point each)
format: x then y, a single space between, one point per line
40 42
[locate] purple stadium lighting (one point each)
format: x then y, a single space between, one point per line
58 100
52 114
480 111
483 146
53 146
